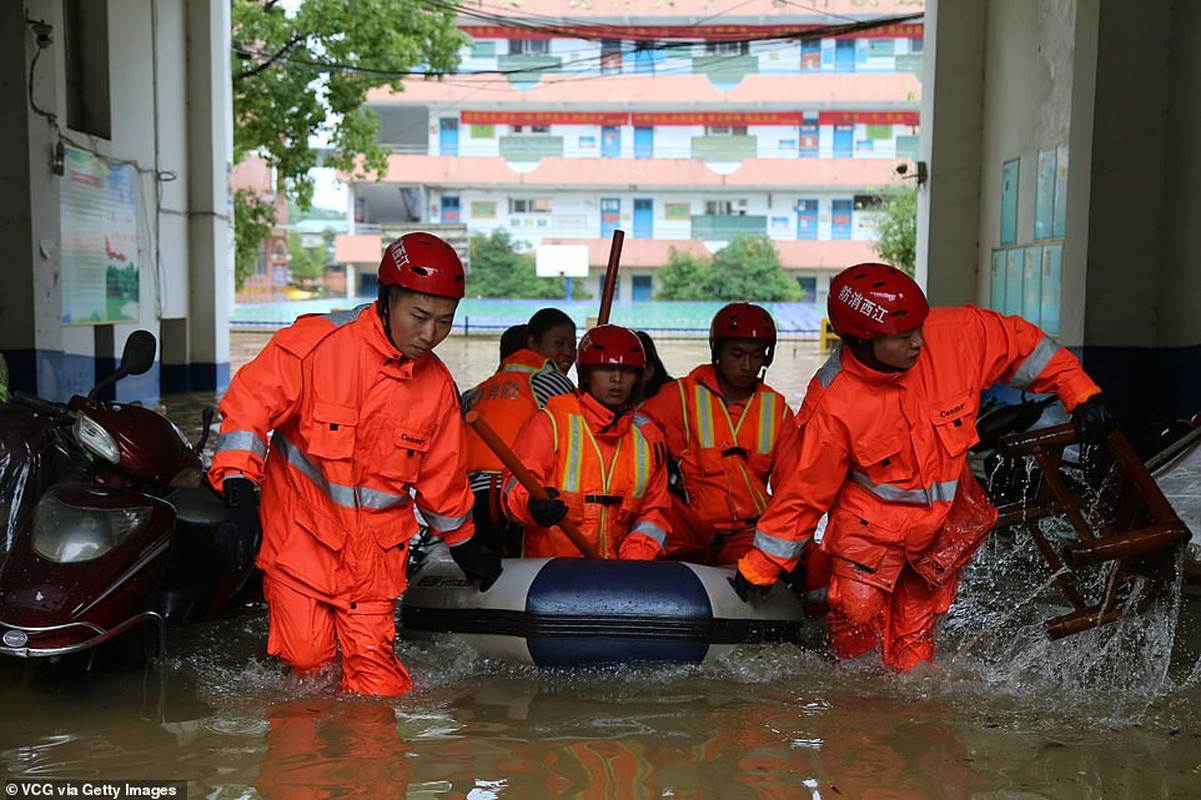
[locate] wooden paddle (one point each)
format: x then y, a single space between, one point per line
510 460
611 277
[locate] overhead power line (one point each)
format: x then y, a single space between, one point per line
264 58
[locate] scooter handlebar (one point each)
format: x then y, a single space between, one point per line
37 404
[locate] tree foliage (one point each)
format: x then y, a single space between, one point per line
499 270
303 77
308 263
254 217
896 224
748 268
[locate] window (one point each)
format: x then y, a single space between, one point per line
526 205
529 129
808 288
725 130
727 48
725 208
840 219
610 63
483 48
677 211
866 202
811 55
916 45
810 137
529 47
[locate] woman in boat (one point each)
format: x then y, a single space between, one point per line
552 333
601 463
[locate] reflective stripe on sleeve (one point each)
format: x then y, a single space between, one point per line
651 530
775 546
943 491
339 494
442 523
242 440
508 487
1035 363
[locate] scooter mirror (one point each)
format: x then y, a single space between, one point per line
138 355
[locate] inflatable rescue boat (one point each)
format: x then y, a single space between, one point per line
553 612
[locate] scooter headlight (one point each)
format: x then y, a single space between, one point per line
69 533
94 437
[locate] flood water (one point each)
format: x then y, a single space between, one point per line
1004 713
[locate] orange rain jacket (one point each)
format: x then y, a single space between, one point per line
361 434
883 452
505 401
726 453
610 473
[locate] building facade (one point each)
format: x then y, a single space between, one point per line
681 126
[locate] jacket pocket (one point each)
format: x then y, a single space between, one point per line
401 462
322 527
392 528
884 460
332 432
955 424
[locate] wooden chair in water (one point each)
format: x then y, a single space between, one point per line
1119 516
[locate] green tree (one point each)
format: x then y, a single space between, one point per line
254 217
748 268
685 277
499 270
305 76
896 224
308 263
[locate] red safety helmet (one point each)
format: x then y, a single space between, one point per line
743 321
424 263
870 300
608 345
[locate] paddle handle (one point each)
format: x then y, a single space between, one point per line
611 277
514 465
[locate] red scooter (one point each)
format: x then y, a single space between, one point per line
109 522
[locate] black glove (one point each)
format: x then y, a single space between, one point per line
744 588
477 563
547 513
239 532
1094 420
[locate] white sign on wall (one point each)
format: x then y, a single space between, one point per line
100 246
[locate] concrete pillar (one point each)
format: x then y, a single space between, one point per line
17 312
210 222
952 107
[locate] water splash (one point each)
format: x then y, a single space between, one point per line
1112 675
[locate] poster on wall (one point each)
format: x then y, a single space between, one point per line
100 252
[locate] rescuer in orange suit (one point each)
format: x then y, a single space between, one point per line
366 426
884 432
725 428
522 384
603 463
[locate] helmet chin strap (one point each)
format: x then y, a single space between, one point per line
866 353
383 307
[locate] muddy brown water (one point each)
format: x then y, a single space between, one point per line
1004 713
